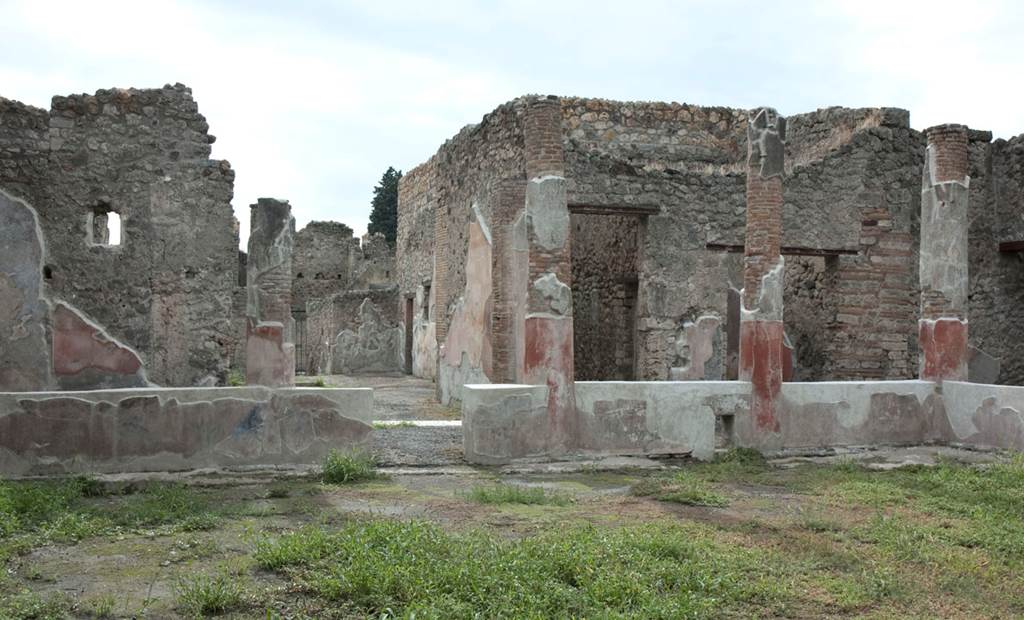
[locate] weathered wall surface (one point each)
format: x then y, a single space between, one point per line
502 423
24 312
321 261
144 154
852 186
47 343
376 345
996 214
270 328
850 229
330 316
990 416
47 433
436 205
832 413
466 355
604 290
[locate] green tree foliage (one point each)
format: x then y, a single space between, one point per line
384 215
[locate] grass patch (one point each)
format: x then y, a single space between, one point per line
236 379
349 467
203 595
681 488
502 493
411 569
381 425
26 605
101 606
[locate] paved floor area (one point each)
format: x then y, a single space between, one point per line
395 397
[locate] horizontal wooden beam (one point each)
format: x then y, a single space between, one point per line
786 250
644 209
1011 246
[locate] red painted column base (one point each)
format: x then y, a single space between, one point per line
269 360
761 363
549 361
943 344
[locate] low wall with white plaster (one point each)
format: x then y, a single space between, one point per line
656 417
502 423
161 429
848 413
985 416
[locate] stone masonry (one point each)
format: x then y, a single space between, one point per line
943 272
761 327
850 236
166 288
270 344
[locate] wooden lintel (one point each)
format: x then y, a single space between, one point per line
643 209
786 250
1011 246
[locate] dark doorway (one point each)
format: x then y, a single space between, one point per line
605 265
409 304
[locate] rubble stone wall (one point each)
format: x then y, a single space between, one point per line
995 312
167 289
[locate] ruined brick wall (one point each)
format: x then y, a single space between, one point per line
996 214
436 206
604 286
868 302
144 154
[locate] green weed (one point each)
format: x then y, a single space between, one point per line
502 493
349 467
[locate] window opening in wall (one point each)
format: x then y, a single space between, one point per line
47 272
104 226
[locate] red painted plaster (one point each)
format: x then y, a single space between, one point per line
944 350
761 363
78 345
549 362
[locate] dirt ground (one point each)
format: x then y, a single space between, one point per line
816 523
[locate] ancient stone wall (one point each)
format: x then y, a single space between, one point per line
438 200
604 285
321 262
330 316
373 262
996 295
681 166
166 289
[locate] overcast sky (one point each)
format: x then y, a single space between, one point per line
312 100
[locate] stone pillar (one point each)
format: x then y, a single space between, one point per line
761 331
270 348
942 326
547 332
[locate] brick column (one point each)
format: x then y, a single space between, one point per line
547 333
270 348
942 326
761 331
